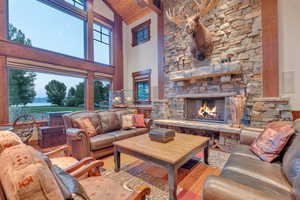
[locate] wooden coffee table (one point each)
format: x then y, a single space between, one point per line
171 155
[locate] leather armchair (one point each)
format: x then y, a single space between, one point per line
245 176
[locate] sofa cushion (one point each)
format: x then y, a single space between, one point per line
102 141
291 160
296 125
256 186
109 121
92 116
123 134
270 173
25 175
140 131
139 121
243 150
271 142
86 124
120 113
8 139
128 121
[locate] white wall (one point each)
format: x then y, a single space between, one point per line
289 51
141 57
101 8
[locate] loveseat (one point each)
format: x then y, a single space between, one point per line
108 125
246 177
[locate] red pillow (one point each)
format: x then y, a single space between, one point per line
272 140
139 121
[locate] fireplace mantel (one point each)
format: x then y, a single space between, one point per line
212 95
203 72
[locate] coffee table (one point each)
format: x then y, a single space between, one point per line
171 155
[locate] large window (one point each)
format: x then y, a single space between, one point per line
37 93
47 27
102 44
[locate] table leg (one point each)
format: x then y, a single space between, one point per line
172 177
206 152
117 159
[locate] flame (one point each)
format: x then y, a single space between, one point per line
207 112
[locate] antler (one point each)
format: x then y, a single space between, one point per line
177 19
206 6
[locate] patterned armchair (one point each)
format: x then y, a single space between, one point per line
28 174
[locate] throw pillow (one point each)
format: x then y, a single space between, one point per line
139 121
270 142
86 125
127 122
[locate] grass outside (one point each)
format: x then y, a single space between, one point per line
40 112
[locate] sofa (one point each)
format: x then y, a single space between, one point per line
246 177
108 125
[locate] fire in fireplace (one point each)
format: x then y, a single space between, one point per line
205 109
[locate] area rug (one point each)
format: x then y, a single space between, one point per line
191 176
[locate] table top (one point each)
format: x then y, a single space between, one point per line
170 152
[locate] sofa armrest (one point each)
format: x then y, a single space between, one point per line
249 135
219 188
140 193
65 150
148 122
80 142
75 134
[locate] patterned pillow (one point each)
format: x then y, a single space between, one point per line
127 122
8 139
139 121
271 142
85 123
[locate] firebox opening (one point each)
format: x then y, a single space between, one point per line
205 109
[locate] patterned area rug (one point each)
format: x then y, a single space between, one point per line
190 179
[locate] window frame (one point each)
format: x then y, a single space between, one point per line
135 30
141 76
69 9
110 45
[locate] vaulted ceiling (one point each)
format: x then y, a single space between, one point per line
130 10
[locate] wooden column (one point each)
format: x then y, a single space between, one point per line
118 83
90 30
270 72
3 19
3 91
89 91
160 52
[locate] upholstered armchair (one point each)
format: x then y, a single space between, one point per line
31 173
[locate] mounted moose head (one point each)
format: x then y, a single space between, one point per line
201 36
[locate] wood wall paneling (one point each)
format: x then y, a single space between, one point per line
270 74
89 91
160 52
3 91
3 20
90 31
118 83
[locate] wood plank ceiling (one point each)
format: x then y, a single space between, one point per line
129 10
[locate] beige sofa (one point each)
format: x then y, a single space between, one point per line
108 125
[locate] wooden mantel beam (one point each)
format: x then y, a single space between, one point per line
270 72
